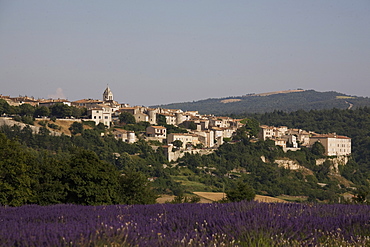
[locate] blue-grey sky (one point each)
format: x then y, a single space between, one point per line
166 51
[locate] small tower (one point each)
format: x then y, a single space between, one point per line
107 95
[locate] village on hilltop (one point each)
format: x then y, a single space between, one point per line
205 132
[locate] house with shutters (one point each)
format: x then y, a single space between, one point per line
156 132
100 114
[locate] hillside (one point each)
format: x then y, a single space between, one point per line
289 100
258 163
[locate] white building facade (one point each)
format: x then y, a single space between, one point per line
335 145
101 115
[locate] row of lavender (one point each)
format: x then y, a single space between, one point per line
229 224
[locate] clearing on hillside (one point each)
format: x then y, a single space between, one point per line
63 124
168 198
216 196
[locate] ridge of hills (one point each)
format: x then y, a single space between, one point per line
287 100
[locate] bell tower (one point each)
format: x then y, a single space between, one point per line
107 95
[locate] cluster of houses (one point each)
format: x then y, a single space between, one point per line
206 131
292 139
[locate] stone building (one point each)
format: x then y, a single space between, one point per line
335 145
107 95
158 132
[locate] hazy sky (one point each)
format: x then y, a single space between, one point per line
157 52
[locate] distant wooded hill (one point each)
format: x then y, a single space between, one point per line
290 100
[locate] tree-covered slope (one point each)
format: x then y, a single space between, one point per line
46 169
83 169
243 158
284 101
352 123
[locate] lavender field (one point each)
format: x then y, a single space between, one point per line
229 224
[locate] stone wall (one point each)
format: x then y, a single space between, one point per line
173 156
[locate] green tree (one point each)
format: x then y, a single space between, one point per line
362 195
26 110
192 126
16 181
184 199
78 112
241 135
4 107
135 189
76 128
242 191
61 110
252 126
100 127
161 120
174 129
199 146
54 126
50 171
42 111
177 143
90 181
127 118
138 127
27 120
318 149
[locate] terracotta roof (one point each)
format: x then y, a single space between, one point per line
127 108
53 101
120 131
100 108
87 101
158 127
330 136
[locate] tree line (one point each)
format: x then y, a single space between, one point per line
73 164
26 112
240 159
29 176
289 102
